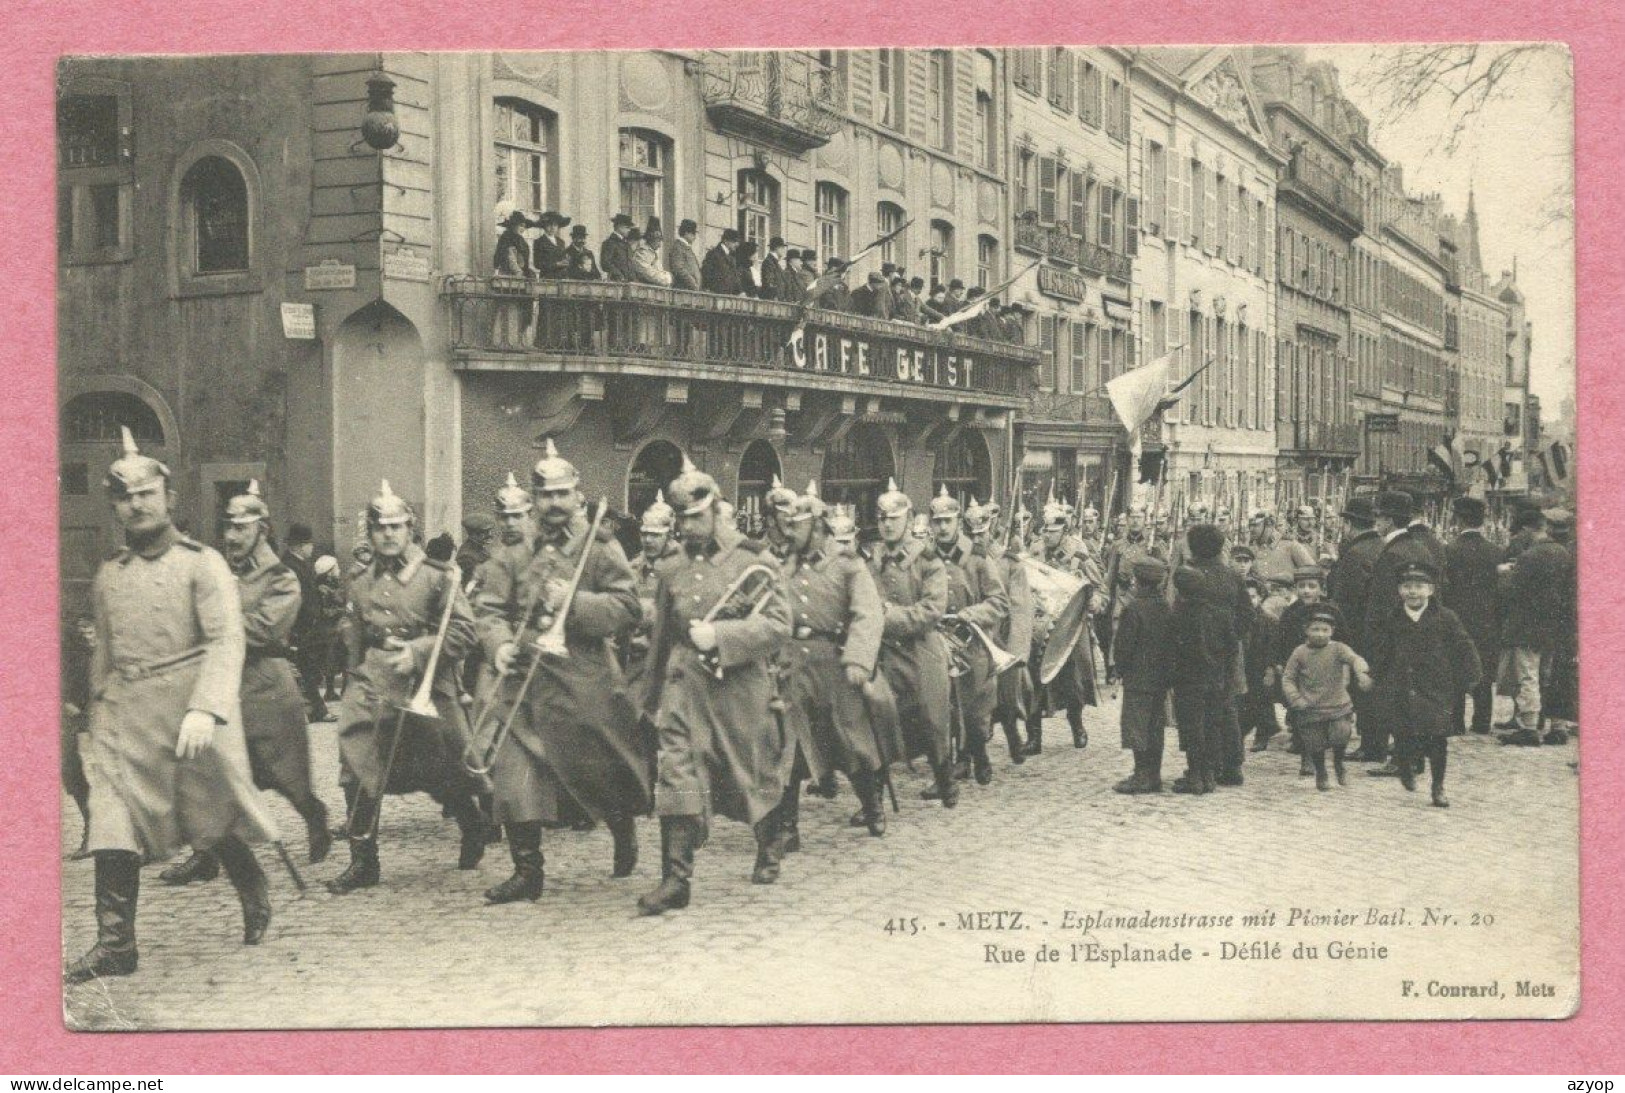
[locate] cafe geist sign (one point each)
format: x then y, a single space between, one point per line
842 354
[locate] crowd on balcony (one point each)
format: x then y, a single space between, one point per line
736 266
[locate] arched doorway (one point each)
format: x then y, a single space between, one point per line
758 466
378 349
855 471
653 468
965 467
90 441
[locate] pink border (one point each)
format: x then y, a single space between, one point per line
34 1040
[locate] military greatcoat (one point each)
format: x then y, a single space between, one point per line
976 595
403 598
913 586
646 578
1074 686
169 639
836 618
721 749
577 732
1014 691
273 710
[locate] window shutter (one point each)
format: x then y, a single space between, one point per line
1210 189
1132 236
1046 345
1080 211
1046 189
1080 379
1269 252
1187 222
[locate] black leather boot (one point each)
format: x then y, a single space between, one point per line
868 786
319 839
201 866
1080 735
769 849
980 763
525 848
363 870
1153 771
471 823
679 836
1137 782
947 787
253 890
342 830
623 829
1012 740
1035 738
118 885
789 810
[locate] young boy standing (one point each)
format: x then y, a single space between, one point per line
1309 586
1315 682
1145 663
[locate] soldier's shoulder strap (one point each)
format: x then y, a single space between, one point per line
190 544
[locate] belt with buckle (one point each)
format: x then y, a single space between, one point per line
807 633
134 670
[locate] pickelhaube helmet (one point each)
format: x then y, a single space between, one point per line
842 523
387 508
894 500
1198 509
1055 514
944 503
248 506
693 491
808 506
132 472
978 517
659 517
780 498
1091 513
553 471
513 498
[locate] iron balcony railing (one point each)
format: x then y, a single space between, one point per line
1054 406
1055 241
1328 187
1326 437
610 320
784 98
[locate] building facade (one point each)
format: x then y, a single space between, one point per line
1072 164
1204 275
1519 436
1480 338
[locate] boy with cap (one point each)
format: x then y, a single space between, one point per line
1309 584
1421 661
1145 664
1315 683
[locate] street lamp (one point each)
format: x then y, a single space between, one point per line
380 128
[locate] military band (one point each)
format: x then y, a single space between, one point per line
714 674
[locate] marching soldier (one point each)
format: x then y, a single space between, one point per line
656 530
976 597
1013 691
913 585
165 759
390 630
843 529
836 619
1074 687
273 710
576 737
780 505
720 615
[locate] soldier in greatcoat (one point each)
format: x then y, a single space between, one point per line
657 531
165 759
708 690
273 710
976 596
913 585
576 736
390 629
836 619
1013 695
1074 687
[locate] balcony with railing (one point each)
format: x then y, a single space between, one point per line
1325 188
1054 241
1057 406
605 326
784 99
1320 438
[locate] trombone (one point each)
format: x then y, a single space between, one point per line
959 634
740 600
478 758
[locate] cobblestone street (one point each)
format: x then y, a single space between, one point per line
1047 838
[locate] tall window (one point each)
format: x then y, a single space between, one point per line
1046 189
987 261
1197 207
1221 226
1026 200
524 155
987 118
1109 201
888 218
1089 95
941 103
1116 110
1154 173
87 131
942 251
889 88
1079 218
215 202
645 168
1060 79
1082 335
758 207
95 152
829 210
1046 349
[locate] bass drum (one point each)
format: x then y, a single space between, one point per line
1071 626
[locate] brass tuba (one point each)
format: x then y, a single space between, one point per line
959 634
478 757
743 599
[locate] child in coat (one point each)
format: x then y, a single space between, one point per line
1315 681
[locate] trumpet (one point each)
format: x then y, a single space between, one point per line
479 758
743 599
959 634
422 701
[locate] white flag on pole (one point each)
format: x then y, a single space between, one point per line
1135 395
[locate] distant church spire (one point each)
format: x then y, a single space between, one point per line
1474 257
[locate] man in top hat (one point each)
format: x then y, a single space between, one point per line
772 270
836 619
273 711
791 283
708 690
1348 582
933 307
391 630
164 757
615 253
955 298
808 273
576 736
1472 590
913 584
720 272
873 298
1399 550
548 253
583 266
975 595
685 259
1013 689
